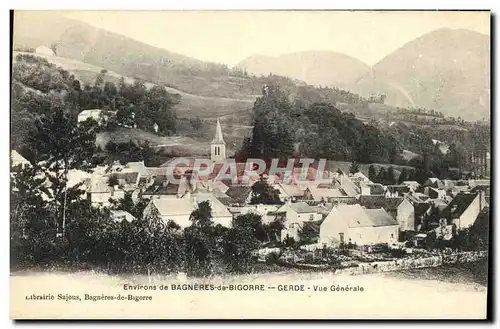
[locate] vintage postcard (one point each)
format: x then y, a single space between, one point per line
250 164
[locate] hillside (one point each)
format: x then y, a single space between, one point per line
190 105
446 70
319 68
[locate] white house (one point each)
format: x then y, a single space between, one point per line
413 185
289 191
262 210
399 208
179 210
353 223
99 192
97 114
322 194
220 214
295 214
464 209
18 161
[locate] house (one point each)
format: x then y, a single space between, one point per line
99 192
128 180
162 188
395 191
178 210
376 189
448 183
360 177
322 194
121 215
218 185
241 194
295 214
18 161
289 192
78 177
354 224
139 167
464 209
220 214
364 188
399 208
421 210
265 211
457 189
348 187
434 193
434 182
100 116
413 185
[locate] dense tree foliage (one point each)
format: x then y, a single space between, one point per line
263 193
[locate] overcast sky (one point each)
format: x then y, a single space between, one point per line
229 37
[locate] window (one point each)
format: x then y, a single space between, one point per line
392 236
311 217
341 236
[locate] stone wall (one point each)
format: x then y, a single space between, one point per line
402 264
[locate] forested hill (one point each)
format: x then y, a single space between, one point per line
282 129
39 87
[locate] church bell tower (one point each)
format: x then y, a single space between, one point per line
218 146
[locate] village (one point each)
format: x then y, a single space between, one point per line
344 210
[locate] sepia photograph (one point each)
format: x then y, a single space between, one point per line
251 164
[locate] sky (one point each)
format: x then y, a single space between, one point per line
231 36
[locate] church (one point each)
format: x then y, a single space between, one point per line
217 154
218 146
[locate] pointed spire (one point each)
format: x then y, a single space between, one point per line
218 134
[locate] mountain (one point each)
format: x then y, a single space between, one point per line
81 41
445 70
319 68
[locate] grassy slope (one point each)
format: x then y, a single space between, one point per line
190 106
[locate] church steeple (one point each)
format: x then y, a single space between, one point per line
218 146
218 134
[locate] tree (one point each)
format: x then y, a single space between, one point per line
254 223
61 145
382 176
404 176
113 181
391 176
307 235
32 225
372 173
273 229
354 167
239 244
202 216
263 193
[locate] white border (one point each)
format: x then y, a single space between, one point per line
185 5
